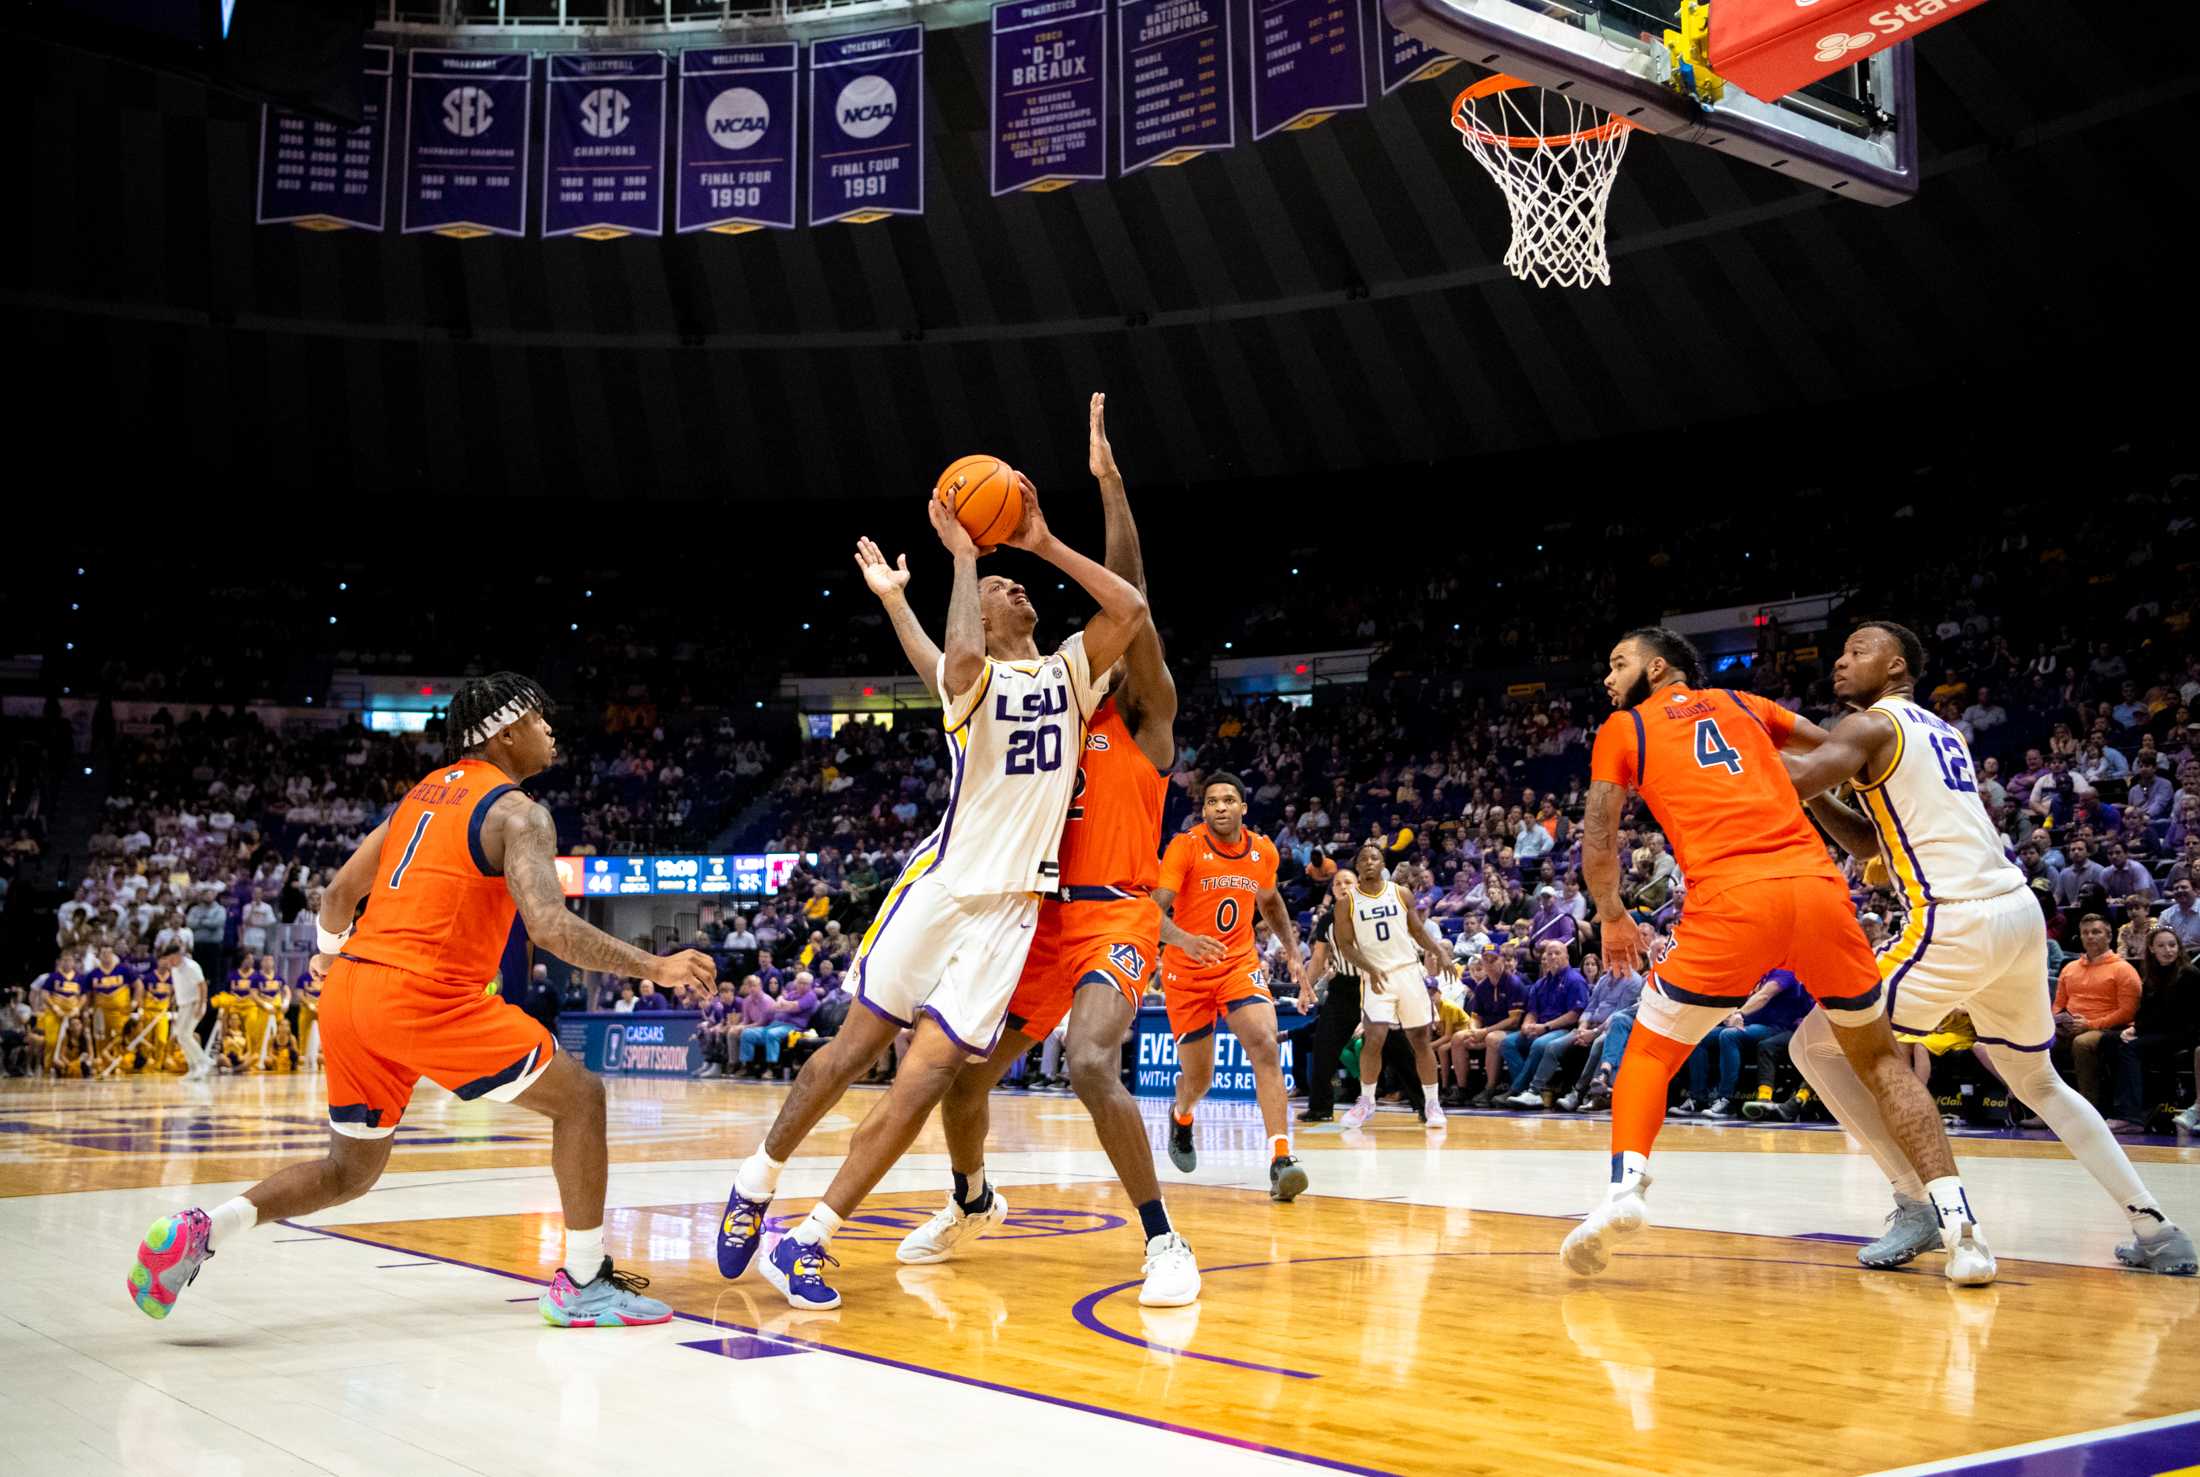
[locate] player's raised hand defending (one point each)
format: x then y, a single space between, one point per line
1099 456
950 529
1032 532
886 580
689 967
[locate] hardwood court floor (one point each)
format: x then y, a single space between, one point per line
1409 1315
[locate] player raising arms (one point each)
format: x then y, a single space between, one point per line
1762 895
1100 929
406 997
1975 940
1212 877
948 945
1380 930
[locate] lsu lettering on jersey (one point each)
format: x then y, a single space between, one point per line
1217 889
1382 930
112 988
1934 831
1113 835
436 910
1708 762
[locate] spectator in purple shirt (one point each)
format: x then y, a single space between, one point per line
651 998
1496 998
1551 921
1555 1004
720 1013
780 1019
1768 1017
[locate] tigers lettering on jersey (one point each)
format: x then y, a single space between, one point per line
1113 837
1934 832
1217 889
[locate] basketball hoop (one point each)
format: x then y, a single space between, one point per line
1556 169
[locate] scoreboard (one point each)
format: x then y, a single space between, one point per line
758 874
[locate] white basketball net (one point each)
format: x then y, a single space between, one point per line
1556 165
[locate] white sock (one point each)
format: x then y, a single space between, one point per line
1818 1056
231 1218
583 1254
818 1229
1367 1093
1632 1168
2079 1125
1949 1202
758 1176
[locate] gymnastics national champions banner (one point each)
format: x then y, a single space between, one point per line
740 130
603 142
867 126
466 132
1309 62
1177 59
1050 93
1405 58
323 176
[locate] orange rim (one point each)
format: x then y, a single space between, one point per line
1498 82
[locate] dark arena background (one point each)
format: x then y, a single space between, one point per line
370 354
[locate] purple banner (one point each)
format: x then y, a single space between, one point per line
1406 58
324 177
740 132
867 126
1177 60
603 144
466 132
1050 93
1309 62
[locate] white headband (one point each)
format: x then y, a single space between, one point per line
503 718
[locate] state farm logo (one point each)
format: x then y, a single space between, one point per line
1885 24
1840 44
738 117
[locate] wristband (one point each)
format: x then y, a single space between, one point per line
326 942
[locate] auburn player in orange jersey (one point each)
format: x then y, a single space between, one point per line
406 996
1101 930
1212 877
1762 895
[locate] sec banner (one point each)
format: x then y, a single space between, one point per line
1308 62
1406 58
466 132
1050 93
739 132
1177 60
867 126
603 141
321 176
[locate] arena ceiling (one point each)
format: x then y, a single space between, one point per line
1314 304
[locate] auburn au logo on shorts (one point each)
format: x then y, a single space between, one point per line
1128 961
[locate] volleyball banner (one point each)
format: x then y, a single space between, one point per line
1050 93
1177 61
322 176
466 132
1309 62
867 126
603 145
1404 58
740 130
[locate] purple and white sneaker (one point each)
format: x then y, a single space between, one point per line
740 1233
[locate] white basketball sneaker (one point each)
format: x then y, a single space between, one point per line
1172 1274
1970 1263
937 1238
1587 1249
1357 1115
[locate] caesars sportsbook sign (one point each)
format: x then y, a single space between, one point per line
659 1044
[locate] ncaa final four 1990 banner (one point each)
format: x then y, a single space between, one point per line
1309 62
1177 61
739 131
1405 58
603 140
466 131
867 126
1050 93
321 175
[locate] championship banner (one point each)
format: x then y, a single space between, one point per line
1309 62
1177 59
1405 58
466 131
603 142
740 129
1050 93
867 126
321 176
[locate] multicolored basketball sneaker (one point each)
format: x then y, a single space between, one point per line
740 1232
613 1299
168 1259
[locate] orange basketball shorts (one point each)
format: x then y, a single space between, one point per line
382 1029
1110 942
1197 998
1726 944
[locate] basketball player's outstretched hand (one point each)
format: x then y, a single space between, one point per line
883 578
950 529
1031 533
1622 940
1100 456
689 967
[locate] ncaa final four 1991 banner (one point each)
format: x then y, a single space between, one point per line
1309 62
739 131
1177 62
1050 93
603 140
321 175
867 126
1405 58
466 131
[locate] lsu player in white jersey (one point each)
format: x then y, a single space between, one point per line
1975 940
948 944
1382 934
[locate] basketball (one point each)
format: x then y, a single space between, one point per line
982 490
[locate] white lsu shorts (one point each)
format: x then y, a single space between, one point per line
954 959
1987 957
1397 998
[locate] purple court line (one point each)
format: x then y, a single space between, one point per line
1174 1428
286 1240
395 1266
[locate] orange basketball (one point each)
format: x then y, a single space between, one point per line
982 490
